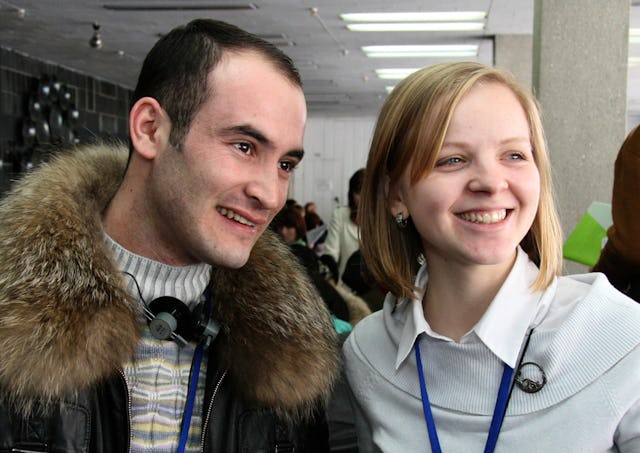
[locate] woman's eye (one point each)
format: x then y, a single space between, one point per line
453 160
516 156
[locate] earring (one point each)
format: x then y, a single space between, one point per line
401 221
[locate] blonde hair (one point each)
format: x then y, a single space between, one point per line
409 133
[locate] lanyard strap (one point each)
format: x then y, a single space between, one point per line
193 382
498 413
191 397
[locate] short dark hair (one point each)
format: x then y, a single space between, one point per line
312 220
355 187
175 70
290 217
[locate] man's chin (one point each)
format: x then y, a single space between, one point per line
234 259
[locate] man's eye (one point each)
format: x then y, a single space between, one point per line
243 147
287 166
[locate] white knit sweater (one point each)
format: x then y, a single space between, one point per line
586 339
158 376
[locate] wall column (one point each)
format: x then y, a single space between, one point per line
580 52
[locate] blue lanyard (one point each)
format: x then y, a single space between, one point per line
498 412
193 384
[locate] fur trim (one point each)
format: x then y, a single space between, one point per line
66 322
358 308
279 342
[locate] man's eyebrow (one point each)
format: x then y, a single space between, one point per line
296 154
245 129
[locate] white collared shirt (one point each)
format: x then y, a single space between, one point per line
586 337
501 328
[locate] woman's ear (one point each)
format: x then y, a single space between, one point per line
395 200
149 127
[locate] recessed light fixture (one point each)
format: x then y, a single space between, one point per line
417 26
416 21
634 61
277 39
422 51
395 73
178 6
634 36
452 16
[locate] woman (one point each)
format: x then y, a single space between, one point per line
343 233
480 344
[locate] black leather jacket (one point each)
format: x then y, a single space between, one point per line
67 324
97 421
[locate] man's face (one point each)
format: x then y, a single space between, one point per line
212 199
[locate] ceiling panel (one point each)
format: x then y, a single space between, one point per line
337 76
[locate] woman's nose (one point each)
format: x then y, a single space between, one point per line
487 177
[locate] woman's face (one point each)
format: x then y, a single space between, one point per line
356 198
481 198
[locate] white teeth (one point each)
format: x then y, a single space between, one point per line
484 217
229 214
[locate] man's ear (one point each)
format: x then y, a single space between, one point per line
149 127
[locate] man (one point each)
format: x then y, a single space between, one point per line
99 272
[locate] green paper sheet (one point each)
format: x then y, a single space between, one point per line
586 240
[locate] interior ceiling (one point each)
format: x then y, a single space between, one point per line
338 78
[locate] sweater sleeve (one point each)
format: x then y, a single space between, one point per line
628 433
363 430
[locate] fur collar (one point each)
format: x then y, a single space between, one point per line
66 321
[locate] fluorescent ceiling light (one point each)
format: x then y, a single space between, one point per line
452 16
395 73
634 61
178 6
417 26
634 36
425 51
389 88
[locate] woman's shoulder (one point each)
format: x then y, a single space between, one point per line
590 329
594 288
376 337
588 304
368 331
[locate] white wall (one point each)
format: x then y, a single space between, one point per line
334 149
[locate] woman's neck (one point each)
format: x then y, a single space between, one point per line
457 297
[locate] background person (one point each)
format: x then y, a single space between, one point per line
343 234
620 257
89 243
348 308
480 343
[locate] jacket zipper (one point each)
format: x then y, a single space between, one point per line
129 410
210 411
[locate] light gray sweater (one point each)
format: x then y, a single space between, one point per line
587 342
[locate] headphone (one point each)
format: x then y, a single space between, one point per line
171 319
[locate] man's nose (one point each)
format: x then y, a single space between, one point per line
266 188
